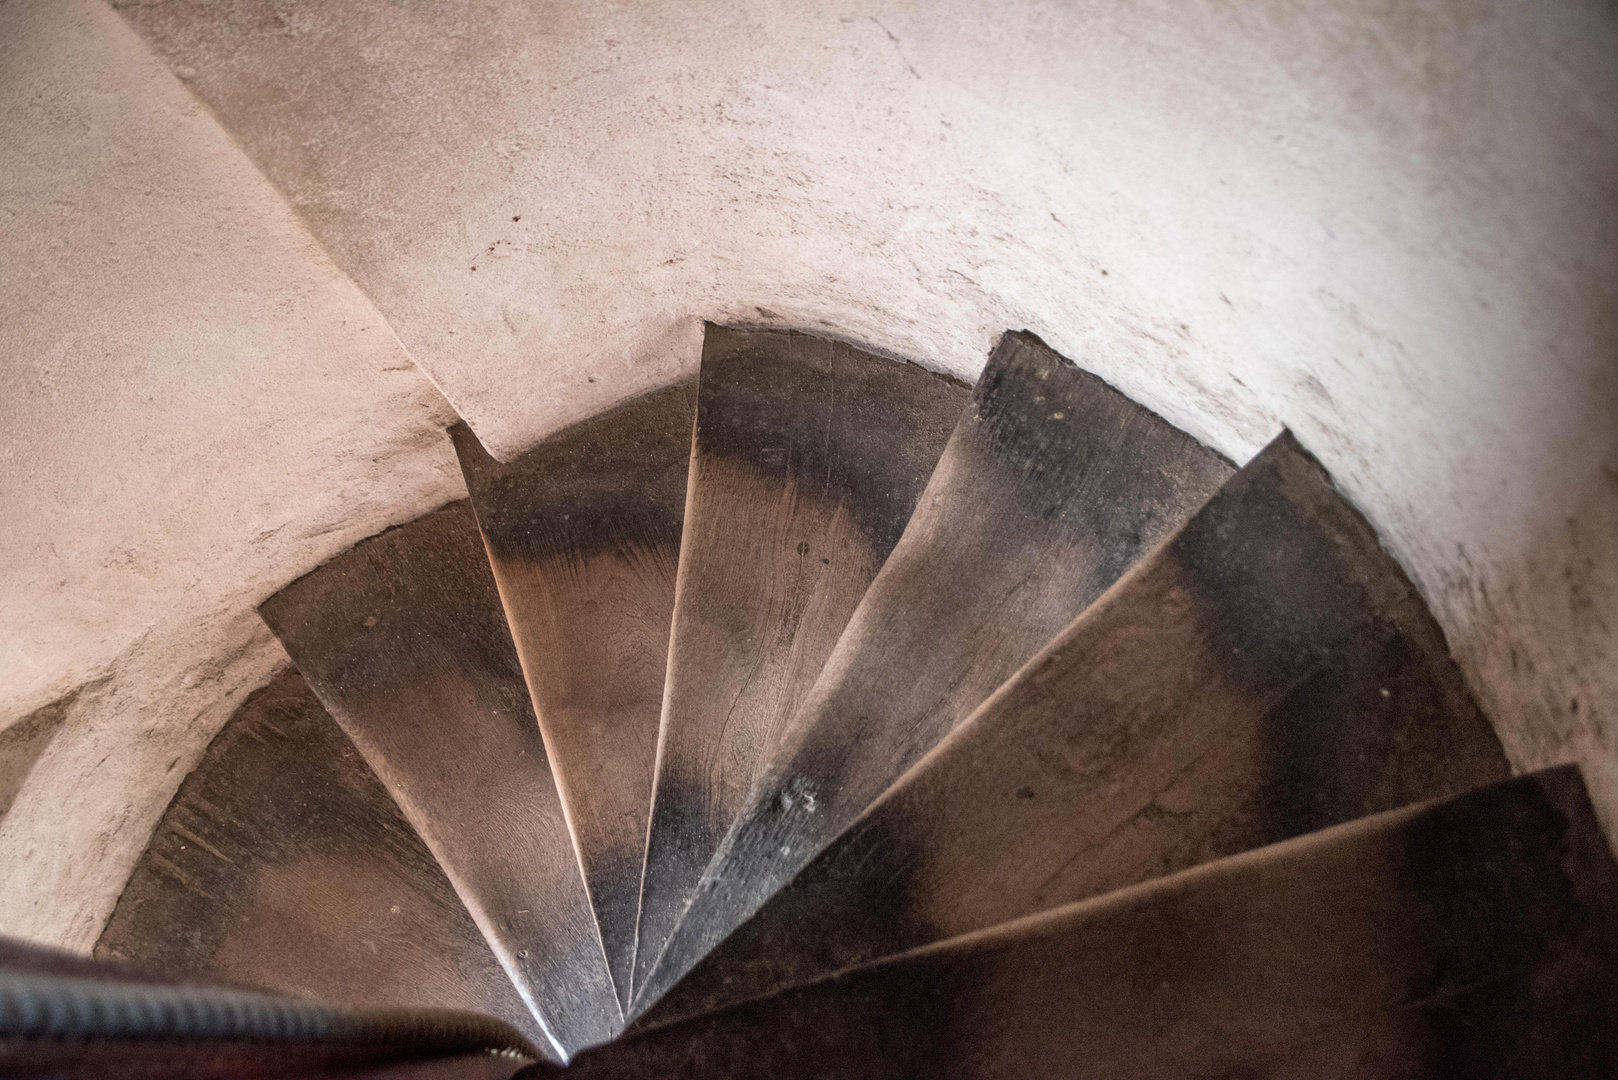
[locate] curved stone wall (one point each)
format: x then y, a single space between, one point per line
1391 228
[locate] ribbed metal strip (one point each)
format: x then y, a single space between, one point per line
50 1007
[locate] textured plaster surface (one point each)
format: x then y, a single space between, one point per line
1392 227
195 406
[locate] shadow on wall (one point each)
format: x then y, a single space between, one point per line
23 742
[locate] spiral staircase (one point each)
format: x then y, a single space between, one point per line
827 718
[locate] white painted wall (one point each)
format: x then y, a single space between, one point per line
195 406
1390 226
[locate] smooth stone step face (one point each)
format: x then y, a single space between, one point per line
807 461
1476 937
583 535
283 864
1267 672
404 641
1052 485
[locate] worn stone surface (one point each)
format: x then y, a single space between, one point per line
806 463
1265 673
583 535
283 864
404 641
1475 937
1051 486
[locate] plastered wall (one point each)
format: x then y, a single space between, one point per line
1392 227
195 406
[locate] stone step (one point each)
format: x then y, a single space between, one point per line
1474 937
283 864
404 641
1267 672
583 535
1051 486
807 460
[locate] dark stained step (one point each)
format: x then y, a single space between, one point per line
404 641
1267 672
1052 485
583 534
283 864
1472 938
808 458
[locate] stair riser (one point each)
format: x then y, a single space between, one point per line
583 535
1051 485
405 642
1475 938
807 461
283 864
1267 672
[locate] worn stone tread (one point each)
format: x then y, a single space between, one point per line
1267 672
807 460
1474 937
283 864
583 535
1053 483
404 641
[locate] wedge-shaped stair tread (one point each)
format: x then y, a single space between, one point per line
404 642
808 458
1051 486
1265 673
283 864
1475 937
583 534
